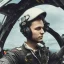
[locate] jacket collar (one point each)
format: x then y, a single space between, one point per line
28 49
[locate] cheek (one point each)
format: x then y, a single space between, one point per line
34 34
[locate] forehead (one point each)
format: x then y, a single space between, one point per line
37 23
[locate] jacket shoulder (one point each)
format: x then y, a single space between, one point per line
4 60
11 57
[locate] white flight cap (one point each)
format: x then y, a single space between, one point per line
32 13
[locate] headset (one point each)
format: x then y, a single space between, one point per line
24 28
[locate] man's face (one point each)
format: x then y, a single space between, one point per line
37 30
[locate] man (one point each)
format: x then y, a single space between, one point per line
32 26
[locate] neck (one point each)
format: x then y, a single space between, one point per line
31 44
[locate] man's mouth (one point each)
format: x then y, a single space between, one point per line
41 37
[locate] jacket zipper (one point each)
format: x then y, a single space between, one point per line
36 57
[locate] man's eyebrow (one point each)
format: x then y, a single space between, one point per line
39 27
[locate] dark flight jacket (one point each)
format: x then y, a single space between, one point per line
22 55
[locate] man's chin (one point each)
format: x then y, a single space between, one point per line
36 41
40 40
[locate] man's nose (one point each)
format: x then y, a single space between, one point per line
42 31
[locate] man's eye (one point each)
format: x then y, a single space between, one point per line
38 28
